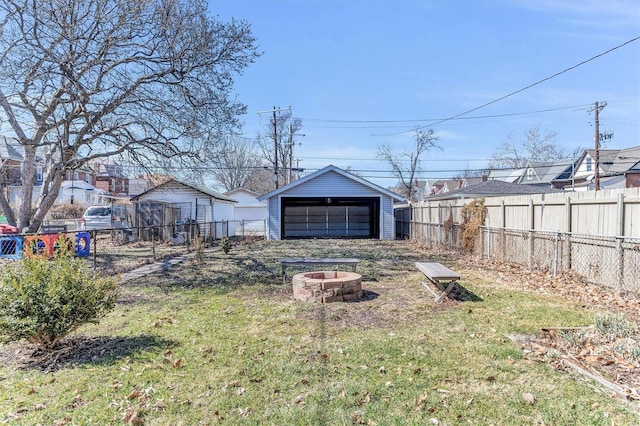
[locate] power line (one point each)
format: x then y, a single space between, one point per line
522 89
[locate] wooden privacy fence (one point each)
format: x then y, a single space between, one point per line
612 262
610 212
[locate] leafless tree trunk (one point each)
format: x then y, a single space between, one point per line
140 79
405 165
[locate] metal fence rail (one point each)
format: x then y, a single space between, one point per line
612 262
120 250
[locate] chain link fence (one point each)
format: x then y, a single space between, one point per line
120 250
612 262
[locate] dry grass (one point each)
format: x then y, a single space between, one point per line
224 342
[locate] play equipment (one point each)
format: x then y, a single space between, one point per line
83 244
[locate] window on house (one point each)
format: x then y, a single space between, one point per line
113 185
124 186
589 164
38 174
76 176
88 178
529 174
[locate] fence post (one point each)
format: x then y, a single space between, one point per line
620 262
557 253
531 250
94 234
566 252
153 242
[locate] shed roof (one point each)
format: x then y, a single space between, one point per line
206 191
328 169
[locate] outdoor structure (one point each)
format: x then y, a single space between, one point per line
176 206
330 203
249 212
327 286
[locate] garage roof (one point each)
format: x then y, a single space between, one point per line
331 168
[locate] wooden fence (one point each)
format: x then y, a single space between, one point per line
610 212
593 234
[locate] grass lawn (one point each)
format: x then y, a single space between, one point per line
224 342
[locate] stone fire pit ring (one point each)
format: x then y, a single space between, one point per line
327 286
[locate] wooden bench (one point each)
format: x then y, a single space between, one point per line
307 261
436 273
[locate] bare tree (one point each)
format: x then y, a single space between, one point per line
538 145
234 162
260 181
405 165
281 141
141 79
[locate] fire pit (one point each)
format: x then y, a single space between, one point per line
327 286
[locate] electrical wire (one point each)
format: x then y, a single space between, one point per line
453 117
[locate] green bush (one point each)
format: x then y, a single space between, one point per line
44 300
225 245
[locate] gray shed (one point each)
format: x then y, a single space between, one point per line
330 203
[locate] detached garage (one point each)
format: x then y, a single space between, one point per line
330 203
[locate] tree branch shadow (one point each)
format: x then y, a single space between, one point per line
78 350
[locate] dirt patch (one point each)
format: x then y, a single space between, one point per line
76 350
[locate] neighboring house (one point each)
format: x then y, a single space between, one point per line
110 177
448 185
511 175
618 168
545 173
330 203
249 212
79 191
143 183
11 170
174 203
11 158
492 188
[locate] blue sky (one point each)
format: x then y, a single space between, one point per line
364 73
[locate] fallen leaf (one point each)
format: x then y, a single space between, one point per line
529 397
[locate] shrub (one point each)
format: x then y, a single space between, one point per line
225 245
67 211
474 215
44 300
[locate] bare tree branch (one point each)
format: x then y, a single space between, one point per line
406 164
537 146
80 80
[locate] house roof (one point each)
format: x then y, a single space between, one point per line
10 149
237 190
206 191
328 169
506 175
492 188
616 161
546 172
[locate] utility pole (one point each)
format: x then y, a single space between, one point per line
275 147
597 107
290 152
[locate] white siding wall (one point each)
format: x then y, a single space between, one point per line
388 222
222 210
273 223
331 184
